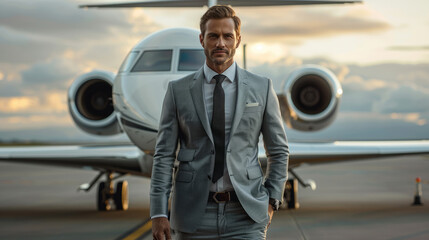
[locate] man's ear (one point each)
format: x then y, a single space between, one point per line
238 41
202 39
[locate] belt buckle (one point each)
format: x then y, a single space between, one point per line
217 201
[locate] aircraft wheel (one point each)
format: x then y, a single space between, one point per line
121 195
291 194
102 198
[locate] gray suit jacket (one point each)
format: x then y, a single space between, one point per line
184 123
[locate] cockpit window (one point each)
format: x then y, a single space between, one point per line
191 59
154 61
126 65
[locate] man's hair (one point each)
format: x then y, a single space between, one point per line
219 12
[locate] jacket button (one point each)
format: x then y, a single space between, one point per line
212 151
209 177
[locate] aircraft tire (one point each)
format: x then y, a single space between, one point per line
121 196
102 199
291 194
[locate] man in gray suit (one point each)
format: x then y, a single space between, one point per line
215 117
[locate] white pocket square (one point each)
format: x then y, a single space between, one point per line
253 104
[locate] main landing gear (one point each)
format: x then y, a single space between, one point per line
291 190
107 194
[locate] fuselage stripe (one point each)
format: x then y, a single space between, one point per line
135 125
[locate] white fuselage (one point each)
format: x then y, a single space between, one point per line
141 83
142 80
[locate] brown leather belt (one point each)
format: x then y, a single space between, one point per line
219 197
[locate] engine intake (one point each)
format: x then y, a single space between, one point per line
310 98
90 103
94 99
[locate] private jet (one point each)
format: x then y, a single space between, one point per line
104 103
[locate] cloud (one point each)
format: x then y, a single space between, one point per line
277 71
407 74
408 48
41 78
410 117
44 45
35 121
357 83
10 88
20 47
375 104
403 99
16 104
381 88
32 112
43 50
57 73
366 126
16 37
387 89
339 69
141 22
60 19
36 31
48 103
299 23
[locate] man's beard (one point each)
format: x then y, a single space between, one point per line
217 61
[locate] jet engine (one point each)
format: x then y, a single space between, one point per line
90 103
310 98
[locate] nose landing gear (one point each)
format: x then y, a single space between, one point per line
291 195
291 190
106 194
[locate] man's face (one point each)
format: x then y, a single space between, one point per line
219 42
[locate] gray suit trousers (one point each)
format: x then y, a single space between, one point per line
225 221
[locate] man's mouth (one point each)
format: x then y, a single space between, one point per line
220 51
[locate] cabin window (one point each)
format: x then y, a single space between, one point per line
191 59
126 65
154 61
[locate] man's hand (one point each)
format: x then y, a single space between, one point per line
161 228
270 213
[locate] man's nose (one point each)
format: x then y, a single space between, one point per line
220 42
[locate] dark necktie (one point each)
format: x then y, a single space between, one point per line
218 127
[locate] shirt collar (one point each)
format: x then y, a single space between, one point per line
229 72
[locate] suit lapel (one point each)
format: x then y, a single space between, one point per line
196 89
242 92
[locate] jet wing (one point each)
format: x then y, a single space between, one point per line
201 3
119 159
340 151
130 160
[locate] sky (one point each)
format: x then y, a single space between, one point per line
379 50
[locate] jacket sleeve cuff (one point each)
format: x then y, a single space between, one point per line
275 191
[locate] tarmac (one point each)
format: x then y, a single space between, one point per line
369 199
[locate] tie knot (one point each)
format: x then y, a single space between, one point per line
219 78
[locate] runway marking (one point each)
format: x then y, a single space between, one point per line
301 231
138 232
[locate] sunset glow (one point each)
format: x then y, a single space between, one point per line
378 50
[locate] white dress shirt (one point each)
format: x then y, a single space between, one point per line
229 86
